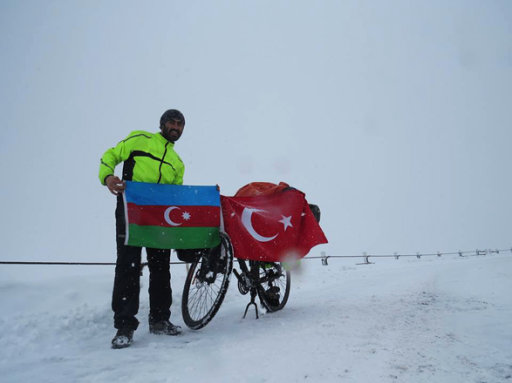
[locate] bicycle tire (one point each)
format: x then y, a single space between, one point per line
273 274
202 298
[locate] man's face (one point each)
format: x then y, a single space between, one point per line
172 130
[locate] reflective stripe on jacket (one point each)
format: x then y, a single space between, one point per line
148 157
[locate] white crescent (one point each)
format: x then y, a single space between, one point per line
167 216
246 221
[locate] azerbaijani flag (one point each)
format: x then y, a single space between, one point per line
171 216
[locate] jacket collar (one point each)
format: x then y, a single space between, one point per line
163 140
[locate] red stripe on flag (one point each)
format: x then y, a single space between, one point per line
174 216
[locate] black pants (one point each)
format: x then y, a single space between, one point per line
125 297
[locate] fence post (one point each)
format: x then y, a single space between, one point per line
324 258
366 259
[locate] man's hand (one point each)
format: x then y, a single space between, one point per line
115 185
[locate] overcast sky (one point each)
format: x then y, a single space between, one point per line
393 116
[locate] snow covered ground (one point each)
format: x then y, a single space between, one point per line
394 117
434 319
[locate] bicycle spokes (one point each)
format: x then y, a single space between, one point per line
206 285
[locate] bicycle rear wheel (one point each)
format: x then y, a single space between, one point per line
273 285
206 285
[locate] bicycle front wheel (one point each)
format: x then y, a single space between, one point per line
273 285
206 285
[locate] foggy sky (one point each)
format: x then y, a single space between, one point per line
394 117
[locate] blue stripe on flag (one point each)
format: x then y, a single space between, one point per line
142 193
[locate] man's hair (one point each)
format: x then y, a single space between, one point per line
172 114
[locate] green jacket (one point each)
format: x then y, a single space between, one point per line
148 157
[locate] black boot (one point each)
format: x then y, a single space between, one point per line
164 327
123 338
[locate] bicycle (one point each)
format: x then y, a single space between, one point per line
208 279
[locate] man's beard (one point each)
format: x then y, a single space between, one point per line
171 135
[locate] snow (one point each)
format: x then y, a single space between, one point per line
393 117
432 319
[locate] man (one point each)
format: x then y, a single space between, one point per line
147 157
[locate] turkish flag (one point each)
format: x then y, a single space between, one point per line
271 228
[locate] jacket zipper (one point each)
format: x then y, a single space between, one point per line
161 163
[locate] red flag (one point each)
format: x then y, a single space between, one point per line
272 227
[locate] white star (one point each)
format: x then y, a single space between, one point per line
286 221
186 215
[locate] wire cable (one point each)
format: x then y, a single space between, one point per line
323 257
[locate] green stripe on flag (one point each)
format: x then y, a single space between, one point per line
159 237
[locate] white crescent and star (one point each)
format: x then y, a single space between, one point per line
167 216
247 222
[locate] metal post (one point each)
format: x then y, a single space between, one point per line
366 259
324 259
